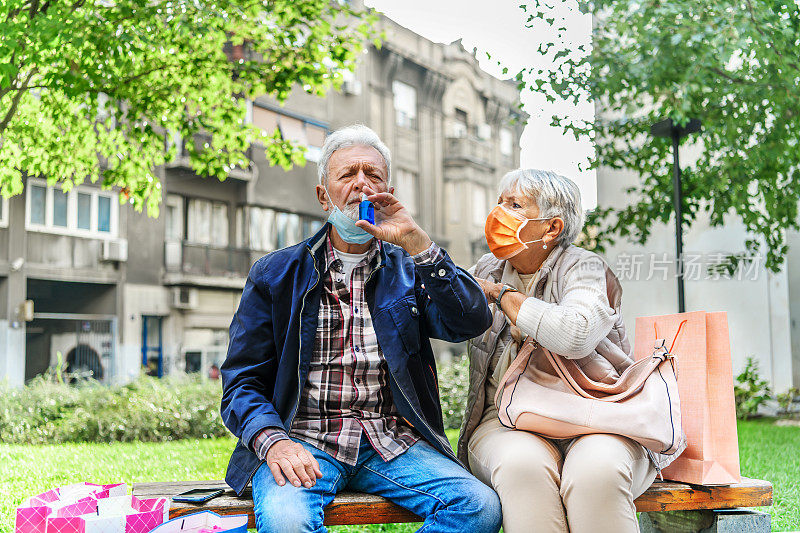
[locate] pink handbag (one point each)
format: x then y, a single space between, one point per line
548 394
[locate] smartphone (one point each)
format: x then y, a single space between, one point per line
197 495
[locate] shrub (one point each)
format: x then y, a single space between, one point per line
47 411
453 390
750 391
786 399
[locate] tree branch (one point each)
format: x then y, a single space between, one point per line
737 79
759 29
14 103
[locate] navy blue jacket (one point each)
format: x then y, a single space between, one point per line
273 330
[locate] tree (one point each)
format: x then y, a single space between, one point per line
94 89
732 63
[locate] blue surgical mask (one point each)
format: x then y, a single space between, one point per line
346 226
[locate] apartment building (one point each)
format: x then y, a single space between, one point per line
118 293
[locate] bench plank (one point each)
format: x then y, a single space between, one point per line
354 508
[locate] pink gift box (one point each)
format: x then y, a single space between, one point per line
32 514
120 514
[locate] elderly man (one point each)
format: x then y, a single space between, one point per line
330 379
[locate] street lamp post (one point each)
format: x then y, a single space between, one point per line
667 128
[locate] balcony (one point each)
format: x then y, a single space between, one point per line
460 151
188 263
181 160
61 256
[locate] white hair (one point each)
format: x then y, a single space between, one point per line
354 135
555 195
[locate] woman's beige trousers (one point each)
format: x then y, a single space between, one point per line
591 488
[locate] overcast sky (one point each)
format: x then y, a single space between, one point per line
498 28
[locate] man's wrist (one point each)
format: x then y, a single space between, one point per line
417 243
266 439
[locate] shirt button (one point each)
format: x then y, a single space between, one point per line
442 272
358 381
356 348
356 310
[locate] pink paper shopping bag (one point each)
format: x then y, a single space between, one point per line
32 514
705 384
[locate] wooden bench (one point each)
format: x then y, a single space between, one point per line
351 508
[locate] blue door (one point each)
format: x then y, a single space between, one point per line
152 348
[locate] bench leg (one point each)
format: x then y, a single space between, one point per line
706 521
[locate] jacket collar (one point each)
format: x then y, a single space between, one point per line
317 245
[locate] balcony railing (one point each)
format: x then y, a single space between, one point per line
71 254
182 157
185 257
467 150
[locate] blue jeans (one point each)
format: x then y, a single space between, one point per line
422 480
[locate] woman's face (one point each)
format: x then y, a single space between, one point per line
527 207
531 258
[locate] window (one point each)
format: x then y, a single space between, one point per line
479 210
296 130
60 201
104 214
219 224
461 127
506 142
453 202
173 231
316 138
262 229
265 119
406 188
287 229
241 238
311 227
270 230
293 130
405 104
174 214
83 211
3 212
37 204
207 222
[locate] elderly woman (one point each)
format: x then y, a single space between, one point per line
567 299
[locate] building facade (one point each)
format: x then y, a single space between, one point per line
117 293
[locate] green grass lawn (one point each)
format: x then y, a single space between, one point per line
767 452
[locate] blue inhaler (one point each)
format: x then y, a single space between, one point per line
366 211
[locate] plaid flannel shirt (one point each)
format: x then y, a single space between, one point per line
347 390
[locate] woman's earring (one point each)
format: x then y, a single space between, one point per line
544 247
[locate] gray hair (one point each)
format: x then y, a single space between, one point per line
555 195
354 135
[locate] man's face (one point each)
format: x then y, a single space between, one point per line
350 170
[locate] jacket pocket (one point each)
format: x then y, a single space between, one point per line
405 315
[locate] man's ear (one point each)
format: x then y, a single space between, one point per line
322 198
